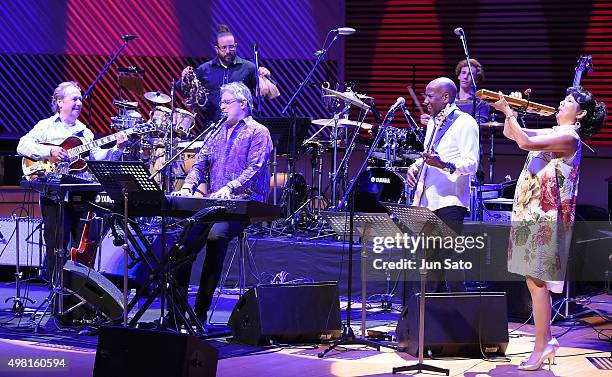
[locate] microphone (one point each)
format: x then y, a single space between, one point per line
400 102
319 53
221 120
459 31
128 37
255 47
344 30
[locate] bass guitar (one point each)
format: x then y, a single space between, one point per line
75 148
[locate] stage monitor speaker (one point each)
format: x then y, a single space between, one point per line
287 313
127 352
90 295
456 324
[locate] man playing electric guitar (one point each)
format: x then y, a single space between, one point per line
451 157
66 104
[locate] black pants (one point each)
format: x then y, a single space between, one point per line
70 232
216 238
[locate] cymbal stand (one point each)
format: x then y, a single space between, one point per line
343 167
491 152
334 140
168 173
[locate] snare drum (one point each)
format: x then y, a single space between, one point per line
378 185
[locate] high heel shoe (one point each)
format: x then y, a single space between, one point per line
547 355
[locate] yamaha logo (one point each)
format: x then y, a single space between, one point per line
380 180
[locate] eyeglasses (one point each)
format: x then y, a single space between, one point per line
228 47
228 101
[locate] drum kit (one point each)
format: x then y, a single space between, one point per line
171 132
337 137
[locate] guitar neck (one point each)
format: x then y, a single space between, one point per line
577 78
77 151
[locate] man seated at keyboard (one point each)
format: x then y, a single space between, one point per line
234 160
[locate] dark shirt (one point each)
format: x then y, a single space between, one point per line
238 162
482 109
212 75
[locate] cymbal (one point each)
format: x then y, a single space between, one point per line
157 97
342 123
348 97
491 124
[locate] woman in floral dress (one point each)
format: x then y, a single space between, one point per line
545 204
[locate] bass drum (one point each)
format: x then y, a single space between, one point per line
378 185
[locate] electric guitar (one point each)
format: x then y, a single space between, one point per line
86 252
75 148
419 188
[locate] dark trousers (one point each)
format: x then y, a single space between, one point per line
69 233
216 238
69 229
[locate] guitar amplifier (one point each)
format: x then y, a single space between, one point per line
497 211
31 243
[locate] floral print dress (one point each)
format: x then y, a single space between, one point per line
543 215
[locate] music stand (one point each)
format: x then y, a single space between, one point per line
368 225
420 221
121 179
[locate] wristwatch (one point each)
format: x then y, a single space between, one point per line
450 167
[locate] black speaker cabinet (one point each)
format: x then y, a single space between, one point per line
138 352
456 324
90 294
287 313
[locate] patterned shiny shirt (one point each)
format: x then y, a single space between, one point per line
238 162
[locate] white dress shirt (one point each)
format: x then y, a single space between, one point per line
53 130
459 145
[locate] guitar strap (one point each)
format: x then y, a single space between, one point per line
448 122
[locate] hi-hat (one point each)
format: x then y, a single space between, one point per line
491 124
342 123
157 97
348 97
125 104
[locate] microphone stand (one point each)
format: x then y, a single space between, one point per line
212 127
479 172
414 128
348 335
87 94
382 130
291 105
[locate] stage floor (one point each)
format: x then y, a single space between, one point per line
579 345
